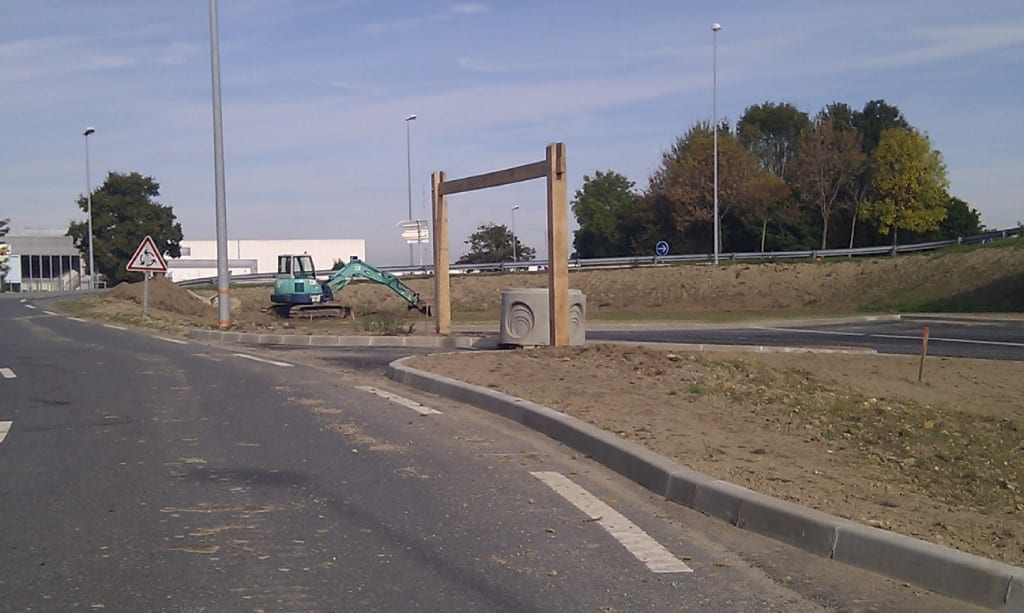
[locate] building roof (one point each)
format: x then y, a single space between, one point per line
40 245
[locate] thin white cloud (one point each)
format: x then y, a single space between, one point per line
470 8
411 23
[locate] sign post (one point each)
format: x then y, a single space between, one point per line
147 260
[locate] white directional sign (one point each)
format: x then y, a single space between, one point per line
415 231
147 258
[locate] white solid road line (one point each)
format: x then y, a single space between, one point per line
5 427
636 541
828 332
113 326
405 402
173 340
265 361
7 373
933 339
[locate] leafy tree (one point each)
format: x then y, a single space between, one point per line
770 132
124 211
961 220
685 181
876 117
766 196
601 208
909 184
491 244
828 161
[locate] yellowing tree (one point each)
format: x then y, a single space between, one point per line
909 184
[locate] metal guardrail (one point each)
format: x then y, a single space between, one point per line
652 260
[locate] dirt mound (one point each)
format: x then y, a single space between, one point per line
163 295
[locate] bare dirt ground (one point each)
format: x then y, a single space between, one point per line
853 435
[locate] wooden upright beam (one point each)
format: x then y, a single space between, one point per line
558 245
442 281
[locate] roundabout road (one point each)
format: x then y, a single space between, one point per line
950 337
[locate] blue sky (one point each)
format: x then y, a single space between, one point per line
315 94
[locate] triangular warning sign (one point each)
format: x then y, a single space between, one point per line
147 258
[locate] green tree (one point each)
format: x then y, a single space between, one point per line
909 184
876 117
770 132
124 211
492 243
828 161
602 207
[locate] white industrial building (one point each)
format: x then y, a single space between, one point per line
245 257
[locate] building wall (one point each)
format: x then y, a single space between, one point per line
247 256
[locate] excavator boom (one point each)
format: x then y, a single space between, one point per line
297 288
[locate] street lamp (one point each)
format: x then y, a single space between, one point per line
515 257
88 199
408 167
715 27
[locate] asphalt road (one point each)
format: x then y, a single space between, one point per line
950 337
140 472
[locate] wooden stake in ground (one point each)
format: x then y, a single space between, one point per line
924 352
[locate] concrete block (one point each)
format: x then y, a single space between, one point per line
947 571
683 483
810 530
720 499
325 341
270 339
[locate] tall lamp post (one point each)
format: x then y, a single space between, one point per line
515 257
408 168
715 27
88 199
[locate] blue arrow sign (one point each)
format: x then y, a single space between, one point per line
661 248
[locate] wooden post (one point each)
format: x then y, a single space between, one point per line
924 352
558 245
442 281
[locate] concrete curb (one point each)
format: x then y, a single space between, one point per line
312 340
940 569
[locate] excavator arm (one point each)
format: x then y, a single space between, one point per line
357 269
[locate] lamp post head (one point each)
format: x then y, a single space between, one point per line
515 208
716 27
88 131
411 117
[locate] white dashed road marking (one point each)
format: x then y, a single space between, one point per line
405 402
7 373
113 326
265 361
172 340
5 427
29 306
49 312
636 541
77 319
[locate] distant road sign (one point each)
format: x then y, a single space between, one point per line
661 248
147 258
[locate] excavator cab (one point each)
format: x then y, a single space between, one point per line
296 282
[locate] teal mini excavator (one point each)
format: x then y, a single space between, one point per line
297 291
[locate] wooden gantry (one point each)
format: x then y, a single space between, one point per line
553 168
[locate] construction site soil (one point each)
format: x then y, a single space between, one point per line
850 434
